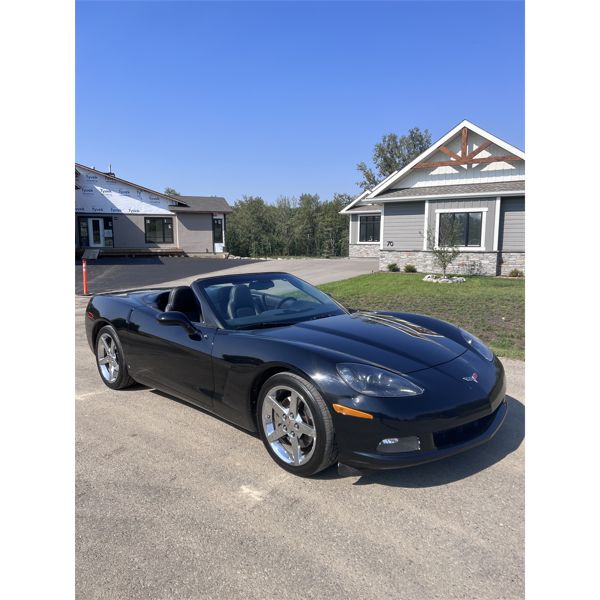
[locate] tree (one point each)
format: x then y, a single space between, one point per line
333 227
250 227
283 215
291 227
169 191
444 249
306 223
392 154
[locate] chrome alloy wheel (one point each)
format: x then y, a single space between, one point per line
108 358
289 425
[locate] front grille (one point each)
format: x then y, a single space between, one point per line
463 433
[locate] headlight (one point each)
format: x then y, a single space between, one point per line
372 381
477 345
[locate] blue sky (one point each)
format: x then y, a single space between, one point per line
281 98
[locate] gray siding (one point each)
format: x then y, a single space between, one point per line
403 225
512 224
353 229
195 232
470 205
129 231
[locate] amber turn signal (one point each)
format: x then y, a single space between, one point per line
351 412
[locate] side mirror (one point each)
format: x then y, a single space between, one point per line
174 317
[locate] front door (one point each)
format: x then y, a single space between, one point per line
96 232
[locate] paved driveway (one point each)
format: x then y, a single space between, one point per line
107 274
174 503
116 273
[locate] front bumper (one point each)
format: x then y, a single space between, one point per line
452 416
441 444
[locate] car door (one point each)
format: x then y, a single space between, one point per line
170 358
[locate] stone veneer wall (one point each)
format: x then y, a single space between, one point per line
363 250
511 260
467 263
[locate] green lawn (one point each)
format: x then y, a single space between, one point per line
491 308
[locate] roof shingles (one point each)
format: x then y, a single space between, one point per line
454 190
210 204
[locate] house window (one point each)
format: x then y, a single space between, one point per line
159 230
369 226
84 237
218 231
460 229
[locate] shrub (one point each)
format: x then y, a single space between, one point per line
410 269
393 267
516 273
446 252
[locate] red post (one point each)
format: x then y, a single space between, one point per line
85 286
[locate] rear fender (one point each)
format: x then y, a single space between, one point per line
106 310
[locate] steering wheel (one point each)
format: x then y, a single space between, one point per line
287 299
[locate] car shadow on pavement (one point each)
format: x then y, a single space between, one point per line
505 442
202 410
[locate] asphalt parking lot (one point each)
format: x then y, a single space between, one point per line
174 503
118 273
107 274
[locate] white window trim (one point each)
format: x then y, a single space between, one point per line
215 244
497 223
483 210
373 214
426 225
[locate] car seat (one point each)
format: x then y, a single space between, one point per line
240 302
183 299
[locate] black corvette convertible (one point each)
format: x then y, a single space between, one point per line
273 354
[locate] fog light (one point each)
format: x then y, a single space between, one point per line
403 444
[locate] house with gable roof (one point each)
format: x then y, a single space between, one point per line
470 180
116 216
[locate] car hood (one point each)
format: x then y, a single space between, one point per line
381 339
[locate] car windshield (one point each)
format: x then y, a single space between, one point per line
266 300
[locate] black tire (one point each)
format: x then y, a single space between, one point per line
325 452
122 379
